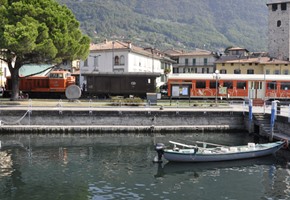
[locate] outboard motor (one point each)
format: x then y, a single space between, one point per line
159 148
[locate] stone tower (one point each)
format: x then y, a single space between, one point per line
279 30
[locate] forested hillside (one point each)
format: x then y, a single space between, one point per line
188 24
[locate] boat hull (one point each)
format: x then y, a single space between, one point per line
214 156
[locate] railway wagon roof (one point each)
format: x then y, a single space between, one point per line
130 74
258 77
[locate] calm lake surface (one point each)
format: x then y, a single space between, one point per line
111 166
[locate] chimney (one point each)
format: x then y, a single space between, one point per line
130 45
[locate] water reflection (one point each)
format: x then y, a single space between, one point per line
121 167
6 164
171 168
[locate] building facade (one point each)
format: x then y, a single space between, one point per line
279 30
118 57
198 61
253 65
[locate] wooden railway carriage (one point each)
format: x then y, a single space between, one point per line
124 84
51 86
236 86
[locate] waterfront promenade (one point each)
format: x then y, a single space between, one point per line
99 105
100 116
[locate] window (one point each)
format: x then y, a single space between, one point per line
205 61
278 23
163 78
223 71
122 60
272 85
274 7
284 6
86 63
212 84
96 61
228 84
241 85
277 71
186 61
286 71
117 61
285 85
250 71
200 84
193 61
267 71
237 71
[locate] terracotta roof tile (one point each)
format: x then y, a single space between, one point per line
118 45
192 53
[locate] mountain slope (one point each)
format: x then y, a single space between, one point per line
187 24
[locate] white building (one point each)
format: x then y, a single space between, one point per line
4 72
123 57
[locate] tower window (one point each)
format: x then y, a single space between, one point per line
274 7
284 6
278 23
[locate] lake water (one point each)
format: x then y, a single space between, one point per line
68 167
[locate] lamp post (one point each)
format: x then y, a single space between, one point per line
216 76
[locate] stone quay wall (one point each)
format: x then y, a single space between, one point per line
82 121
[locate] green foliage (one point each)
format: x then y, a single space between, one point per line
38 31
120 101
41 31
187 24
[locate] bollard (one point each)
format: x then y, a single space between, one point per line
250 115
273 117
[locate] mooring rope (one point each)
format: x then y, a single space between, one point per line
15 122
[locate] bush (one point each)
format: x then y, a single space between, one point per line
121 101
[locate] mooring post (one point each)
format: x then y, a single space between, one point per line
250 115
273 118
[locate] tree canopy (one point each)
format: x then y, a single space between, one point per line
38 31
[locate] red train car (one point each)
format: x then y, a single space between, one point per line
51 86
234 86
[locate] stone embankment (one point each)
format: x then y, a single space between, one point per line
126 120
